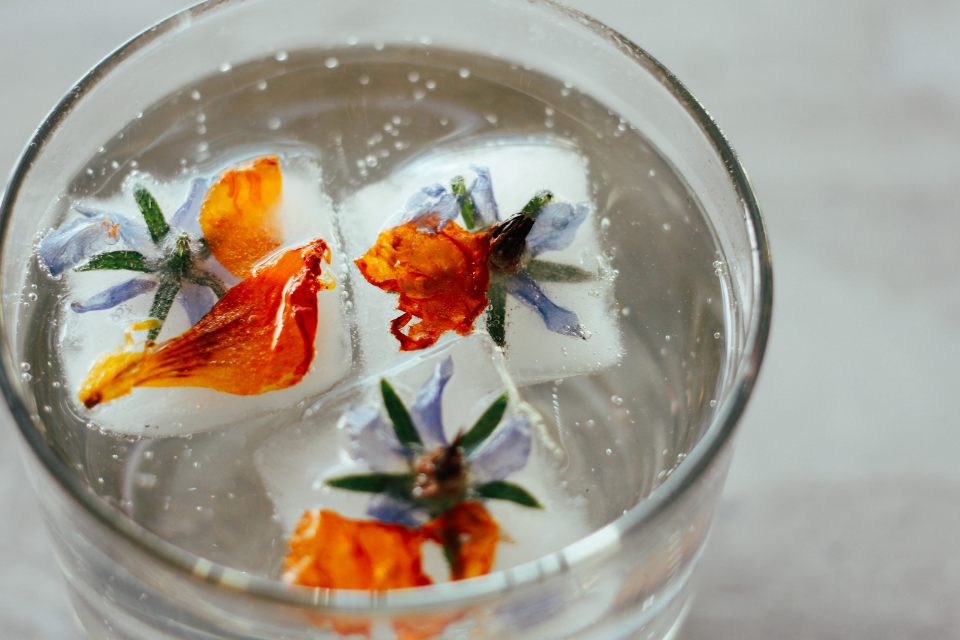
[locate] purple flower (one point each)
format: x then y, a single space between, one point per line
169 257
418 472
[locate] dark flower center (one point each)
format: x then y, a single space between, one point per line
441 474
509 241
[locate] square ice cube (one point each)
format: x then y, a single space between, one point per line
296 463
518 169
305 213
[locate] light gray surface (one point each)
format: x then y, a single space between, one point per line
841 513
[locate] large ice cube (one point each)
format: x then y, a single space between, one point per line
296 462
305 213
518 170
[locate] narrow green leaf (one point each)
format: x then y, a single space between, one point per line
497 313
545 271
126 260
485 425
396 484
451 551
466 203
500 490
206 278
162 301
152 215
402 424
537 203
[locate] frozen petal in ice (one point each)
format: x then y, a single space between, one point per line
74 243
115 295
386 508
559 320
430 208
259 337
427 411
197 301
469 535
555 228
504 453
374 441
187 217
484 204
238 215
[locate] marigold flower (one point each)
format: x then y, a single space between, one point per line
440 271
259 337
238 215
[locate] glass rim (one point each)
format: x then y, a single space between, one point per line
595 547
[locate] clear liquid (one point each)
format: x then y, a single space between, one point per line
366 115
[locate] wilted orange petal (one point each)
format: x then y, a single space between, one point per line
423 627
442 278
329 551
469 529
257 338
238 215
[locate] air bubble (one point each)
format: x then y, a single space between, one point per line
331 62
395 120
464 72
226 66
32 296
605 223
616 400
548 123
652 173
625 311
590 423
203 147
195 94
281 56
419 94
609 452
353 40
713 403
371 160
55 385
717 335
261 85
273 124
549 111
413 76
491 118
47 408
666 226
364 80
431 84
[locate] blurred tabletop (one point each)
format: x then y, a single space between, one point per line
840 517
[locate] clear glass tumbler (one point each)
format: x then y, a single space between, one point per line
629 578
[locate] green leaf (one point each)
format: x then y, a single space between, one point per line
162 301
553 272
152 215
395 484
485 425
500 490
205 278
497 313
466 203
402 424
127 260
537 203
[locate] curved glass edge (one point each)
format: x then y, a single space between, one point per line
591 549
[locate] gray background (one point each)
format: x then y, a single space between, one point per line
841 514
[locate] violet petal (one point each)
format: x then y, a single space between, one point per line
187 217
431 209
559 320
555 227
132 231
484 204
374 442
389 509
506 451
71 244
115 295
427 410
196 300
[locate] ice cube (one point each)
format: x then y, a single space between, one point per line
518 170
296 462
305 212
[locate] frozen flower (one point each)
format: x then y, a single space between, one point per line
259 337
446 275
233 221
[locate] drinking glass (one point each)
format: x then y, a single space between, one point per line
630 578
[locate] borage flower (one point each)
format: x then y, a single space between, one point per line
425 485
424 255
172 255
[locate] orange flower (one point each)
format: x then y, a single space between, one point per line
238 215
259 337
332 552
471 533
442 278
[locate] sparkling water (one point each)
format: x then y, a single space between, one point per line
618 411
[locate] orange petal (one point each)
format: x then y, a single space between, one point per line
329 551
238 215
472 533
442 278
423 627
259 337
